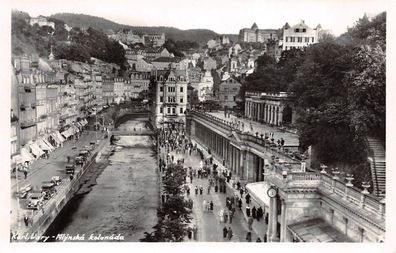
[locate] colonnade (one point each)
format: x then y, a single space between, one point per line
264 112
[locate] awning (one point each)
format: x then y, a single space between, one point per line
36 150
85 121
68 133
26 156
45 140
16 160
76 130
316 230
44 146
55 138
258 192
59 136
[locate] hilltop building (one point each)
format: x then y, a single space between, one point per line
254 34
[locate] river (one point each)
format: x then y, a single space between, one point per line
125 199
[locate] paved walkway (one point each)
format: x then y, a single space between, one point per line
259 227
210 229
290 138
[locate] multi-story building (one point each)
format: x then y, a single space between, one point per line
163 63
209 63
154 40
41 21
228 92
299 35
98 86
16 158
254 34
205 86
108 90
170 101
119 96
139 84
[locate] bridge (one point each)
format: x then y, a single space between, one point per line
137 132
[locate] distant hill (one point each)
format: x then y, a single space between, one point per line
201 36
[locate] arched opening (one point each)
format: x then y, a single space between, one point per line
287 115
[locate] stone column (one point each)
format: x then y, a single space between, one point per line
280 116
283 228
276 115
265 113
274 220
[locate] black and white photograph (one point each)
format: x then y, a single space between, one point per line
254 122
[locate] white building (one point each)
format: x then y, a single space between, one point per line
170 99
205 87
299 35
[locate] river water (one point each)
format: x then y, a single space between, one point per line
125 199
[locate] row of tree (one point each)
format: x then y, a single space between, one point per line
339 90
174 216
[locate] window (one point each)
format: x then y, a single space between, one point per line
293 39
313 39
296 30
181 100
299 39
161 88
173 110
287 39
304 30
169 110
181 89
306 39
161 99
181 110
161 110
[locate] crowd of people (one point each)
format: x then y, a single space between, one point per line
176 142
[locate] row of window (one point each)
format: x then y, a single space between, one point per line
171 89
171 99
298 30
300 39
171 110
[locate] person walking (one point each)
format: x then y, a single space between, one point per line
216 188
196 190
259 213
250 223
225 214
231 216
200 190
248 211
229 233
211 206
247 198
254 212
26 220
240 204
238 184
249 236
195 232
225 231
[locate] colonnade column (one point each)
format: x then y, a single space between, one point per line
273 220
283 222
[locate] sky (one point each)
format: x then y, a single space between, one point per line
221 16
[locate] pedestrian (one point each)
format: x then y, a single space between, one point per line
196 190
229 233
25 173
225 214
247 198
258 239
209 189
259 213
211 206
254 212
238 185
26 220
241 192
240 204
189 232
200 190
250 223
231 216
248 211
191 178
225 231
195 232
249 236
265 237
221 216
266 218
204 205
188 191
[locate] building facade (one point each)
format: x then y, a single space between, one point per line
299 35
254 34
228 92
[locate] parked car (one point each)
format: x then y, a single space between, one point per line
79 160
70 168
56 179
35 200
49 189
23 191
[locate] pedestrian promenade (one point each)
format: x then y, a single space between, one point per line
253 127
259 227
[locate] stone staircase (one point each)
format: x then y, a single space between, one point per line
377 162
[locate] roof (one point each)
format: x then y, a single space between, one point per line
166 59
317 230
